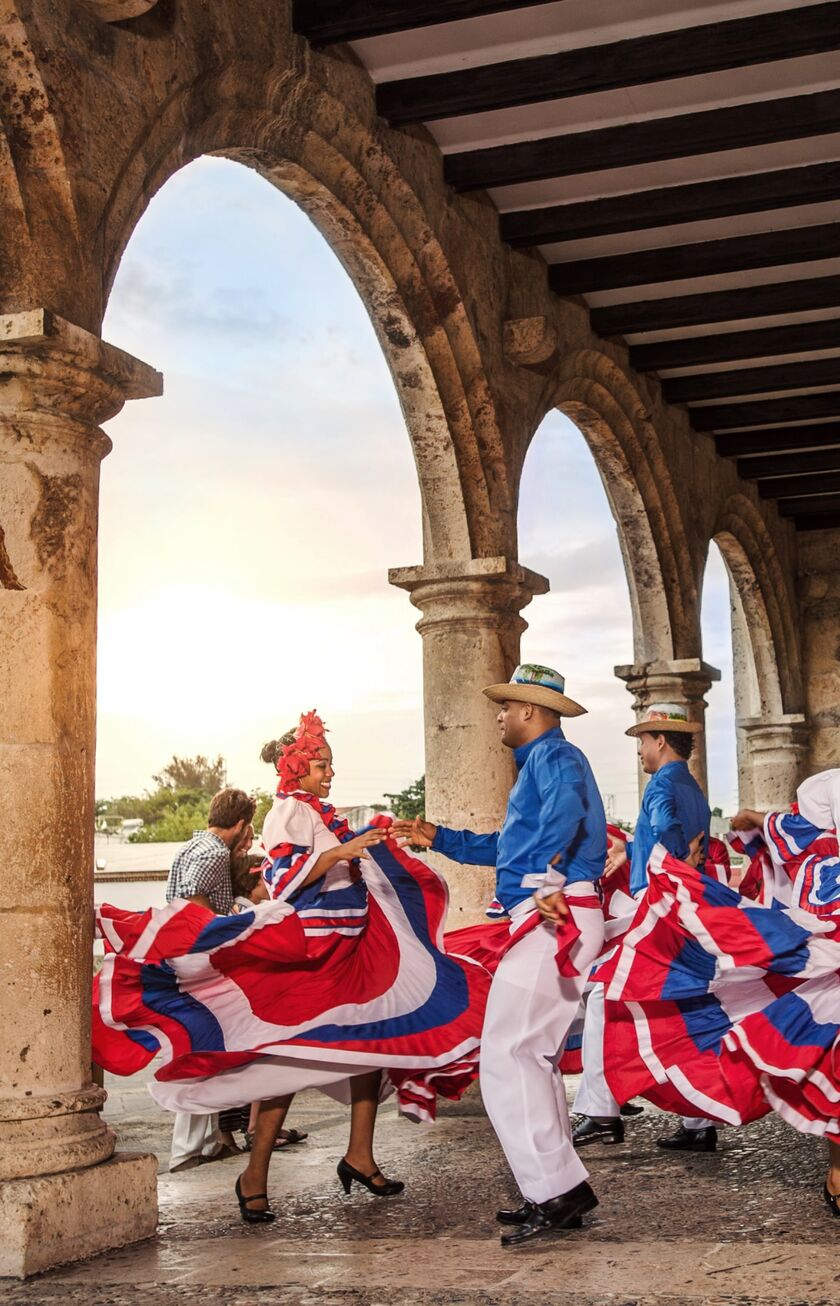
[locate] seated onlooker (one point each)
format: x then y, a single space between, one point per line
201 872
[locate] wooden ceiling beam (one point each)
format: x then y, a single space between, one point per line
792 408
731 346
590 70
670 205
778 440
790 464
791 487
823 521
323 22
782 297
751 380
682 135
703 258
810 506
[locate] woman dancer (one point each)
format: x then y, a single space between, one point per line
717 1003
340 976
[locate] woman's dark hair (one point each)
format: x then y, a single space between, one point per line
682 743
242 873
270 752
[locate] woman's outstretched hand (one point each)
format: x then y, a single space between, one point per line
418 832
357 847
616 856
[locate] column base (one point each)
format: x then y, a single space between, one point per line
52 1219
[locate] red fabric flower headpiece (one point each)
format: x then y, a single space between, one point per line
294 759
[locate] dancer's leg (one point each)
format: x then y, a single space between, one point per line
832 1180
364 1102
254 1178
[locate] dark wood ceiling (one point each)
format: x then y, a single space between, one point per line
682 175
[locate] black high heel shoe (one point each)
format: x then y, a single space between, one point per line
832 1200
347 1174
253 1217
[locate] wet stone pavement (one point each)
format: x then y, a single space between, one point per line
745 1225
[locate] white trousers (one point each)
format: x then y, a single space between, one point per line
530 1010
593 1097
193 1136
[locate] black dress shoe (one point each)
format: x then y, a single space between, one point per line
519 1216
833 1201
590 1130
631 1109
690 1140
553 1216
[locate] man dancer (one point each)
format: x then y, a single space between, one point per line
554 815
201 873
675 813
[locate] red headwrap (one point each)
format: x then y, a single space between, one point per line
306 746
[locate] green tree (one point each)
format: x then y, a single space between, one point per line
197 773
409 802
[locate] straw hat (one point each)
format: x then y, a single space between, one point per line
542 686
662 718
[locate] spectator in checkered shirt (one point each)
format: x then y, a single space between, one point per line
201 873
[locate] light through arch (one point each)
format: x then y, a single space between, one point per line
249 517
584 625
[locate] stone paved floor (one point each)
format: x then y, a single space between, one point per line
744 1226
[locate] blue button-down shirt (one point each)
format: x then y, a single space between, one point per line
554 807
674 811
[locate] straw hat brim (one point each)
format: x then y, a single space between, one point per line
541 695
664 728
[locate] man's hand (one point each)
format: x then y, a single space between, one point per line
553 908
616 857
747 819
695 851
418 832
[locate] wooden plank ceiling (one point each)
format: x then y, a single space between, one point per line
677 165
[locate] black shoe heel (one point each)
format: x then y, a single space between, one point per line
832 1200
347 1174
253 1217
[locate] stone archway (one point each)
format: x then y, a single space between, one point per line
766 659
659 565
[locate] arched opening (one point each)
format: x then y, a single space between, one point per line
584 626
249 516
721 617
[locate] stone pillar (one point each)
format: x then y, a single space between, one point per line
819 598
684 681
470 628
61 1197
775 753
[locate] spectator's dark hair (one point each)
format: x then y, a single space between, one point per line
681 742
244 873
229 807
271 751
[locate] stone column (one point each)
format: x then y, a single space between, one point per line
61 1197
684 681
470 626
819 600
775 755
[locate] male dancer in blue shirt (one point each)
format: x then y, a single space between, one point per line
554 815
675 813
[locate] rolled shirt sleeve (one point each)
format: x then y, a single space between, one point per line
467 847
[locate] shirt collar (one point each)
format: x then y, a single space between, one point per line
669 766
521 753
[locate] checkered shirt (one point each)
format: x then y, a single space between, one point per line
203 866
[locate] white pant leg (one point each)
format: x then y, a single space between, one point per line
593 1097
697 1122
193 1136
529 1012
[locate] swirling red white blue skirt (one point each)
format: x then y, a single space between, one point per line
722 1008
244 1007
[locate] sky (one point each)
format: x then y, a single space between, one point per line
250 515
